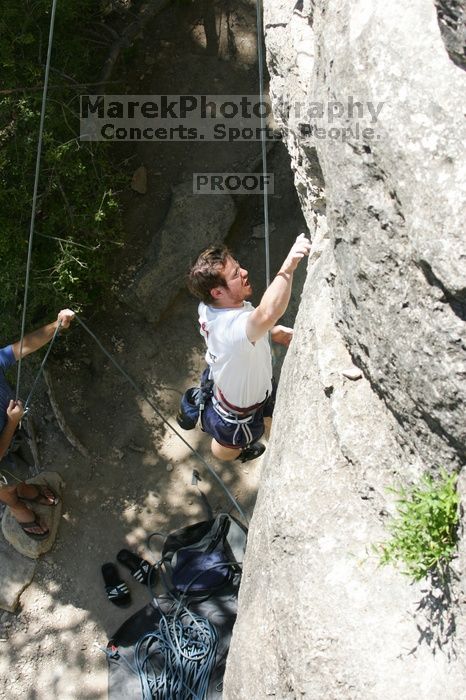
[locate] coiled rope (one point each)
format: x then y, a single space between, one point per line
188 645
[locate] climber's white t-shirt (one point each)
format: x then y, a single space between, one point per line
240 369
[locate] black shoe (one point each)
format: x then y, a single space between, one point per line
140 568
117 591
253 451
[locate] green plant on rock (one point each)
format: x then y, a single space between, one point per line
424 531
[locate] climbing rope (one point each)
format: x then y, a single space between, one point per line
34 196
41 368
260 57
188 645
146 398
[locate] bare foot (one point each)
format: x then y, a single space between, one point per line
43 495
23 514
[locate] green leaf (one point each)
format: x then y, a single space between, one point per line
424 533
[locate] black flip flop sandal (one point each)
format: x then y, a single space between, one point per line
117 591
139 568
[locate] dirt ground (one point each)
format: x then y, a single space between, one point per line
138 478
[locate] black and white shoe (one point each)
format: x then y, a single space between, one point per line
117 591
252 451
139 568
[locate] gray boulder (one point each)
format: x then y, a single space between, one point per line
318 617
193 222
18 539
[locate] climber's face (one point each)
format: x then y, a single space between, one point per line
237 287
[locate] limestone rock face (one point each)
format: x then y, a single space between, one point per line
372 109
193 222
396 202
452 21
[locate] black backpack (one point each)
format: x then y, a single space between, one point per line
203 557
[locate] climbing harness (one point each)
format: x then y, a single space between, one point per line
236 410
242 423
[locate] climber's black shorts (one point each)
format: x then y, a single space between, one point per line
232 431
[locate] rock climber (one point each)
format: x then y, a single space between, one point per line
238 350
18 495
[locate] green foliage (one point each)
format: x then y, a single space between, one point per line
424 533
78 223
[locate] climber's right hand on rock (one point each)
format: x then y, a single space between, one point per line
301 248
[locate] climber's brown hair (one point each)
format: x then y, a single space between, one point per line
207 272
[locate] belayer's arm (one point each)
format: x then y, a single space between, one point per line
35 340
